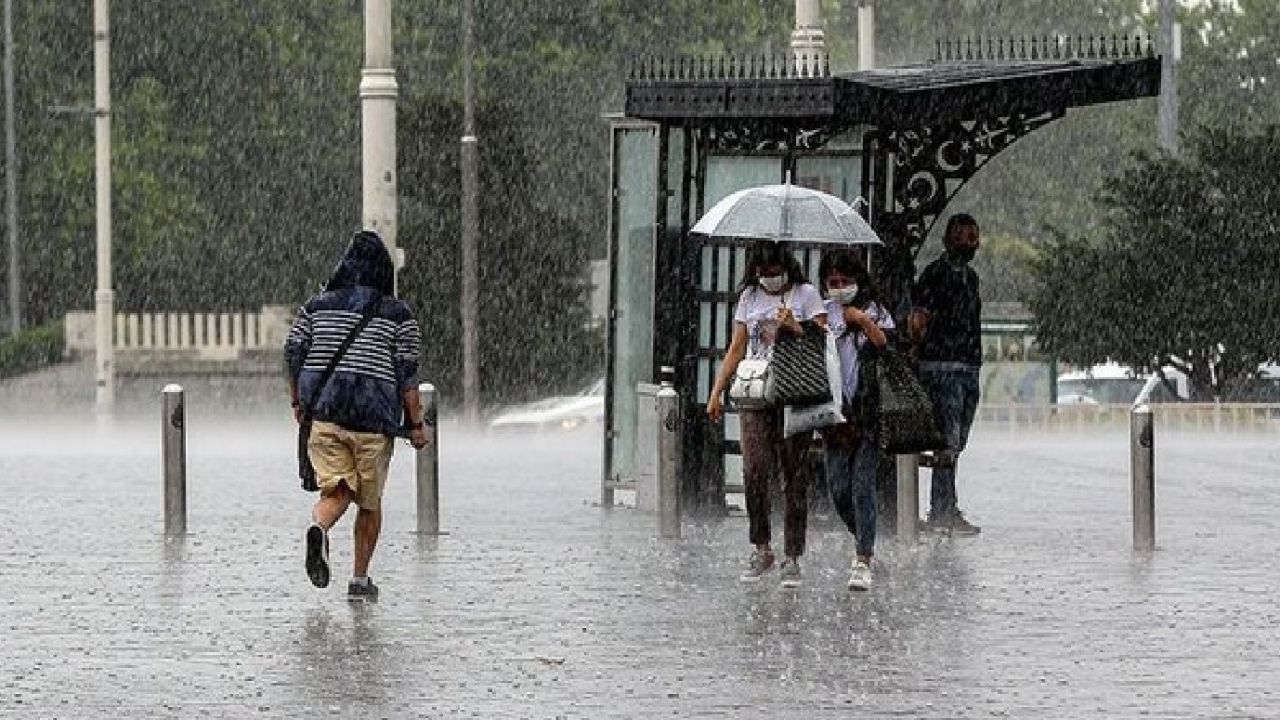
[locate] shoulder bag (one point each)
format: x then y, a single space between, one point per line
306 471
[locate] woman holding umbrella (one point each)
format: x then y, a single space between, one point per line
775 298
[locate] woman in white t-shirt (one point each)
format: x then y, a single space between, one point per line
775 299
852 452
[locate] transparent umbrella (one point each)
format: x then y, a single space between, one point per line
787 212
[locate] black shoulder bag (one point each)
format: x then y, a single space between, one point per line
307 472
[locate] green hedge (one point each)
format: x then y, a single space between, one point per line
31 349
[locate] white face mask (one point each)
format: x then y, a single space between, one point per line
844 295
773 283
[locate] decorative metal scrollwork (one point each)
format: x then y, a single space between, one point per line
931 164
771 136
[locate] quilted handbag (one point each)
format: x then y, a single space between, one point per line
905 410
752 386
800 366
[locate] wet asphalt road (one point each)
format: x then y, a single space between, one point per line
539 604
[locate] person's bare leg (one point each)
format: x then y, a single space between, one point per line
329 508
368 527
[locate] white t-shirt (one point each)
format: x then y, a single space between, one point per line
758 310
849 343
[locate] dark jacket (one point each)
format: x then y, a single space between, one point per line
364 394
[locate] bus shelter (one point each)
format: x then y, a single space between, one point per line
897 142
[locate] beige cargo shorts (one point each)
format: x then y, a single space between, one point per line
359 459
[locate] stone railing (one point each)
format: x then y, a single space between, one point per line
1207 417
203 336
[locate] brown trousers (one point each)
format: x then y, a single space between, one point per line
764 453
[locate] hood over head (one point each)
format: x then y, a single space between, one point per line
366 262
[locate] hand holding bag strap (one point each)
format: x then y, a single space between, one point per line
332 367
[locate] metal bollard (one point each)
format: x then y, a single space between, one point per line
174 449
668 460
908 497
428 466
1142 456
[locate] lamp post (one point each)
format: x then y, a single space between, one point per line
808 45
470 226
11 176
1169 52
378 92
105 297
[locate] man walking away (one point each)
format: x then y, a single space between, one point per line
946 330
358 410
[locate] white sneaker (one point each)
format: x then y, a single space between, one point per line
860 576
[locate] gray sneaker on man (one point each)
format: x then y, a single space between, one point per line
952 524
362 591
790 573
761 562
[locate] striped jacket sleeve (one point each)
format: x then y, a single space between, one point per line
298 343
408 353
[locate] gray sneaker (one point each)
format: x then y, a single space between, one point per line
760 563
362 592
860 576
952 524
791 573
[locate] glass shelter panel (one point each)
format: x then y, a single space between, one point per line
635 178
721 268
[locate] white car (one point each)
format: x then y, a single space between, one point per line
1115 384
564 412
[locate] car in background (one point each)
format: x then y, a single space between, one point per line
565 412
1115 384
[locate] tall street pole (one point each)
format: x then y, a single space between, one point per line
470 223
1169 52
378 92
105 297
11 176
808 44
866 34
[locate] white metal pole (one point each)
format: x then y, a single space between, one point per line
1142 476
866 34
378 92
470 226
1168 119
428 466
105 297
668 401
808 46
11 176
173 441
908 476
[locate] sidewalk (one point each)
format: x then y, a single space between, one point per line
539 604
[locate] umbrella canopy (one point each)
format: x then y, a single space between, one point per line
787 212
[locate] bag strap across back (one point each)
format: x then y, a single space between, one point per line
332 367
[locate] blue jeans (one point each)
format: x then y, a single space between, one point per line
955 403
851 459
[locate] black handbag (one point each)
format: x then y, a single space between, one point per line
907 424
307 471
799 366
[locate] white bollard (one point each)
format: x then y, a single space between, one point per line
668 459
1142 457
174 449
908 497
428 466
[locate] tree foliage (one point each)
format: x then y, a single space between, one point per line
1187 270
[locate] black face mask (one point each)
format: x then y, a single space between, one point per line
961 256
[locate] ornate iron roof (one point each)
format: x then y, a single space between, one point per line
968 79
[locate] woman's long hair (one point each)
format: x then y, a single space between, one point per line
764 253
848 263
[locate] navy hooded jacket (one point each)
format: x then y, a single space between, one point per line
364 394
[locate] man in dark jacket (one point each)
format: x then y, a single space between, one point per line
946 329
359 410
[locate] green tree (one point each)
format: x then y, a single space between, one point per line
1185 273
